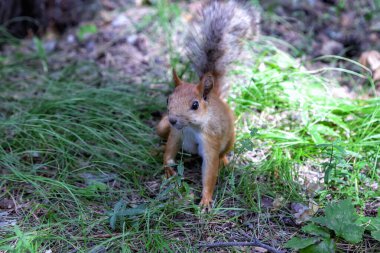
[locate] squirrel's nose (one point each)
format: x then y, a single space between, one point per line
172 121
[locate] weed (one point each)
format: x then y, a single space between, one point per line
342 219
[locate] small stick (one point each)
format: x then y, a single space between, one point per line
255 242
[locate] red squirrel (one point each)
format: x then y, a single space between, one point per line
199 120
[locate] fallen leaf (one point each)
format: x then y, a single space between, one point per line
371 59
376 75
260 250
6 204
331 47
90 178
312 188
303 213
106 16
266 202
278 202
120 20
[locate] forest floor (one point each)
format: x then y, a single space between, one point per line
81 164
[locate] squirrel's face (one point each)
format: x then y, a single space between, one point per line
187 105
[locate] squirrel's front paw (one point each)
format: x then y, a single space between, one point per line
206 204
168 166
169 172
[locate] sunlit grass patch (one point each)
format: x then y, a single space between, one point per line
296 115
72 150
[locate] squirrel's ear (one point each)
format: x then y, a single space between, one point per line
176 79
206 85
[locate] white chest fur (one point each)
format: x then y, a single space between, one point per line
192 141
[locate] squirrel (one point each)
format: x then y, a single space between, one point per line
198 119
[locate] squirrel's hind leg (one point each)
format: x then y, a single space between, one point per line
224 161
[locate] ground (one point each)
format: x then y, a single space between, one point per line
81 164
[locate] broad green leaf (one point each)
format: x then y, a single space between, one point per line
300 243
352 233
373 223
314 229
342 218
325 246
376 235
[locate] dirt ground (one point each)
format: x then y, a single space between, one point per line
306 29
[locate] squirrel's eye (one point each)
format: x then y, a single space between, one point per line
195 105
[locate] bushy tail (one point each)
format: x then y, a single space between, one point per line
216 37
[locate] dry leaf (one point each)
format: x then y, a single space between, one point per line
331 47
259 250
266 202
6 204
303 213
278 202
312 188
376 75
106 16
371 59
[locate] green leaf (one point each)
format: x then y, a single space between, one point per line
140 209
325 246
92 189
85 30
41 53
315 135
337 120
376 235
118 206
314 229
325 130
373 223
342 218
113 222
328 170
300 243
180 169
40 48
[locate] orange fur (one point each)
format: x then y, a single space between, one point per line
207 131
198 119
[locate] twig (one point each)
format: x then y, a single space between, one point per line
255 242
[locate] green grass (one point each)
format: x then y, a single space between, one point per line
79 156
304 123
70 129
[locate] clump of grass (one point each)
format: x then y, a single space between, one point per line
50 138
303 123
